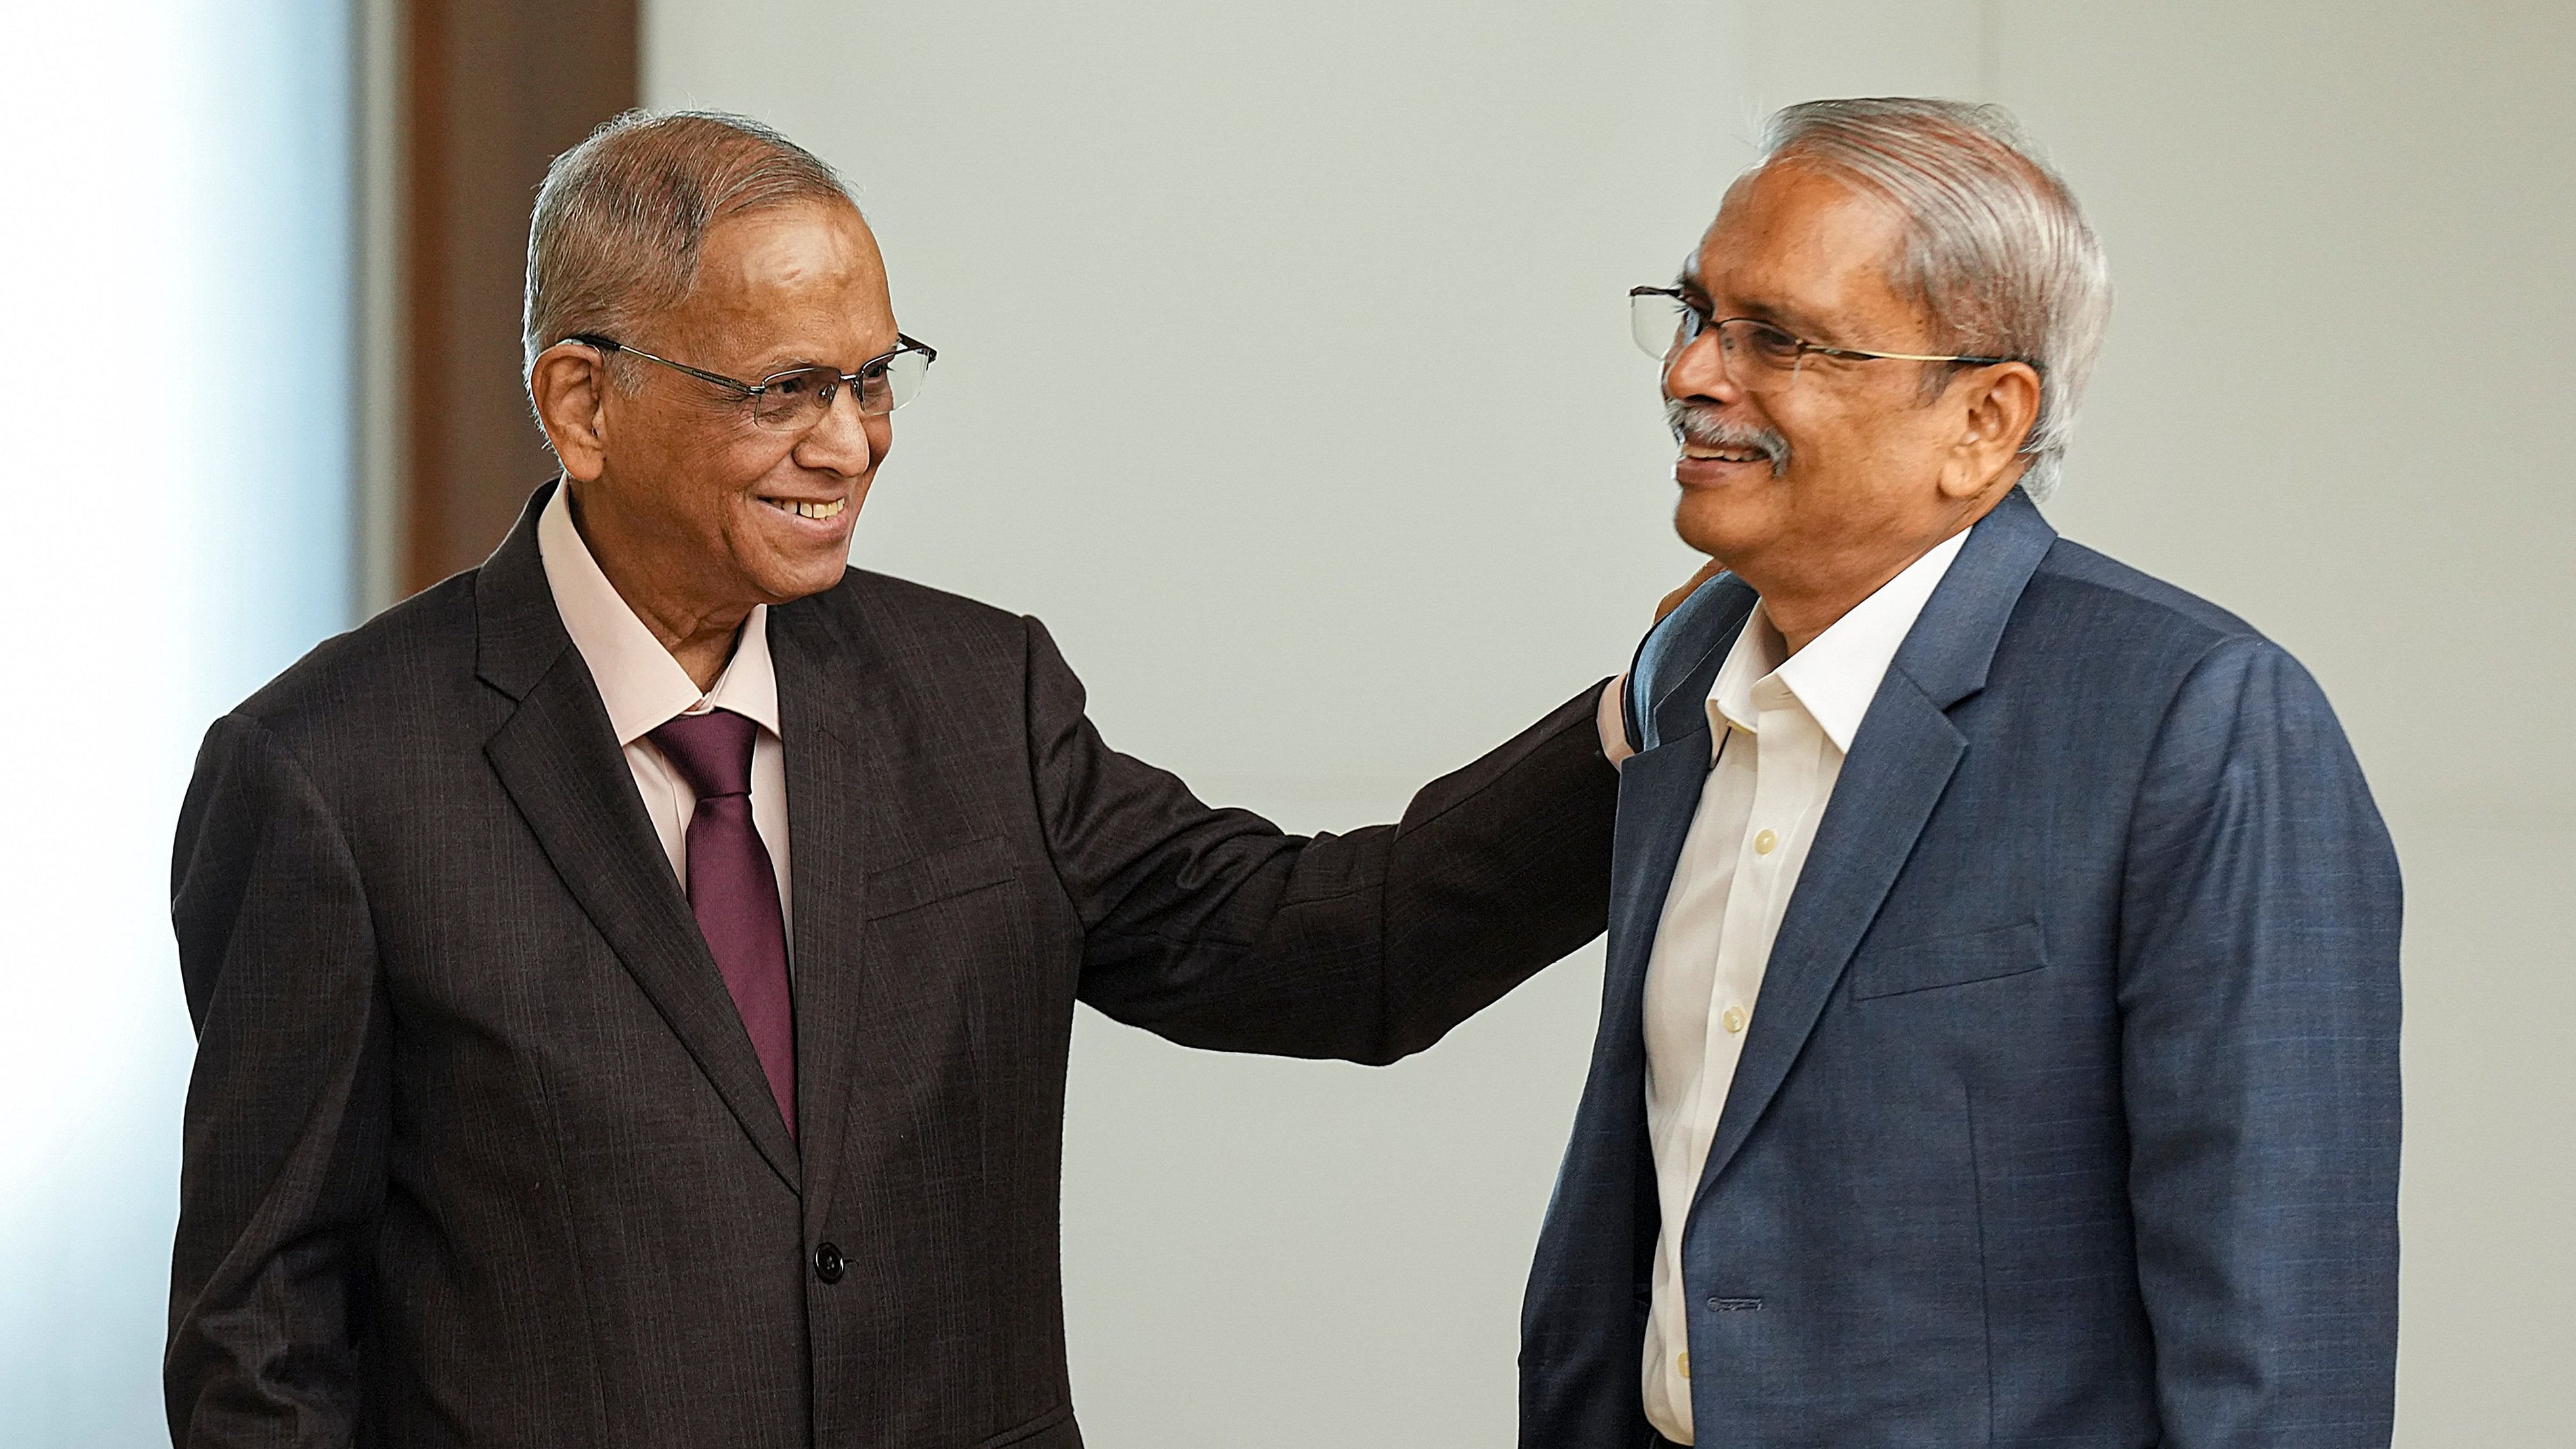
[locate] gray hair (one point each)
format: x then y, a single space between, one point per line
621 216
1995 250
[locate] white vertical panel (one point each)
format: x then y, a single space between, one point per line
175 394
378 313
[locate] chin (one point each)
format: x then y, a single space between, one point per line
1717 526
787 582
782 576
786 559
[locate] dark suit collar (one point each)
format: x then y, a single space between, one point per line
559 760
840 698
837 789
518 632
854 696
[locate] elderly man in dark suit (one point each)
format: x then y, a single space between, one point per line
1999 1042
633 979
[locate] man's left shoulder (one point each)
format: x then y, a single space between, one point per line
2116 634
906 617
2075 583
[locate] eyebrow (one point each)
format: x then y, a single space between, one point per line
1780 314
798 362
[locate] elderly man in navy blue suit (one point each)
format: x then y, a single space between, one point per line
1999 1044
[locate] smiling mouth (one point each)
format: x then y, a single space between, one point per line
831 509
1705 437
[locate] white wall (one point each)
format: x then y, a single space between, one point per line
174 516
2337 398
1284 374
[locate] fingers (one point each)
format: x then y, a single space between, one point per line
1673 600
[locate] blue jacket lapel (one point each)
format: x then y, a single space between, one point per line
1900 762
1659 787
1658 795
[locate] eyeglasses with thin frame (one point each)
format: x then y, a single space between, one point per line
797 399
1758 356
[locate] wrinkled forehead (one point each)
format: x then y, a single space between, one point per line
807 272
1796 245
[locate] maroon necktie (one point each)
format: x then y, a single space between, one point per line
733 889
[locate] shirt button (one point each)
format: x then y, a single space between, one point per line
1766 842
1683 1363
1733 1020
828 1262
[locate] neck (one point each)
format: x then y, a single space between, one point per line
1810 596
702 653
1806 596
700 635
1802 608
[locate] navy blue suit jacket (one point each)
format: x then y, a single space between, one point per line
2069 1110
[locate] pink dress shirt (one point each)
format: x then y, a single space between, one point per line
642 686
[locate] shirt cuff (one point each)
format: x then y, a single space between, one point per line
1614 728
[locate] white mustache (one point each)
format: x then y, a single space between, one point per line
1694 424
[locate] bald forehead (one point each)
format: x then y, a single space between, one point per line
797 243
1801 248
805 277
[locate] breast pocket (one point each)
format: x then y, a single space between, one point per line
1950 960
926 880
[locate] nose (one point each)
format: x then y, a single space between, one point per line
1697 369
840 441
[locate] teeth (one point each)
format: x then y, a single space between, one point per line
813 510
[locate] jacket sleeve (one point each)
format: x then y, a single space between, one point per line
2259 999
283 1163
1214 929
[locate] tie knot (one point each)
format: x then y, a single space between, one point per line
712 751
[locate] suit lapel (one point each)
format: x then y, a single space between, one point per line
557 757
1659 789
836 802
1658 794
1901 761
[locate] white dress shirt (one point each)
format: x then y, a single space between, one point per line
643 687
1779 725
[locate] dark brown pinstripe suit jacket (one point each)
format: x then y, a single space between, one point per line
477 1151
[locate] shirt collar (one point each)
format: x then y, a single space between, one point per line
642 686
1836 676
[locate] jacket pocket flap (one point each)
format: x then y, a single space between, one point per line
1950 961
1059 1417
926 879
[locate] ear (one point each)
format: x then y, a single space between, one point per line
569 385
1997 408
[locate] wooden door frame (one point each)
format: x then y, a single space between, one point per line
463 103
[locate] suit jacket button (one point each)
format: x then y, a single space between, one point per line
828 1262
